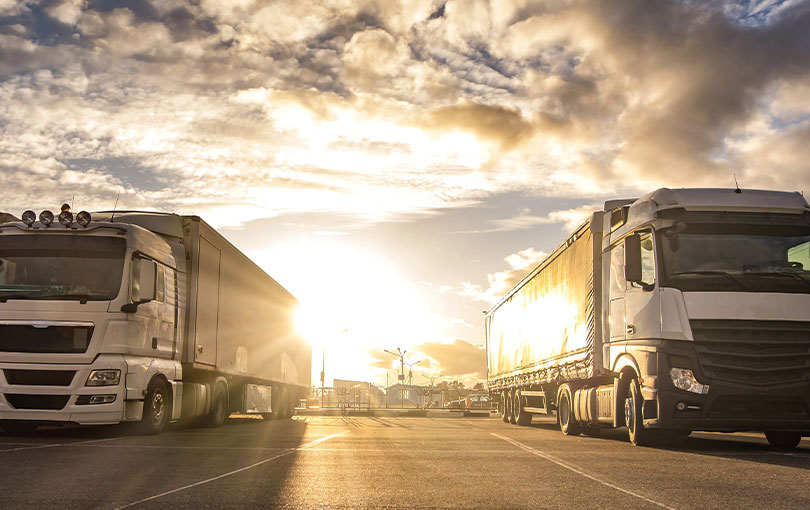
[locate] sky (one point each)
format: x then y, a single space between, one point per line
397 165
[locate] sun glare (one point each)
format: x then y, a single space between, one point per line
353 304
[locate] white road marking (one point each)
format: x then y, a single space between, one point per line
578 471
54 445
235 471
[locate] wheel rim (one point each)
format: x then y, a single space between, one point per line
629 413
157 407
516 405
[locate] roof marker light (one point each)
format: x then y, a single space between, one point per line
46 217
66 218
83 218
29 217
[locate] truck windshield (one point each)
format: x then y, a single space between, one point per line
44 266
761 258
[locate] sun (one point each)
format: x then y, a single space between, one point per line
354 304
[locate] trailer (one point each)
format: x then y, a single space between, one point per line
142 317
681 310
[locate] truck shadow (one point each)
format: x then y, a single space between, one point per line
746 447
258 453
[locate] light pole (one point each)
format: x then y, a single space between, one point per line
401 355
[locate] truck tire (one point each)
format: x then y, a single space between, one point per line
522 417
19 428
633 418
781 440
157 408
280 403
504 406
565 414
511 406
219 407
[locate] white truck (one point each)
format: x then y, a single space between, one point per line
686 309
140 317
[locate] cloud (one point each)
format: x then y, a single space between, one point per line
569 218
385 109
501 282
458 359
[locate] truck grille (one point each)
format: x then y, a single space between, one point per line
754 353
39 377
48 402
51 339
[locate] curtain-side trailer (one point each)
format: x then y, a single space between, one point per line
683 310
140 316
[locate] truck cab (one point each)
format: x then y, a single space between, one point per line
89 318
707 296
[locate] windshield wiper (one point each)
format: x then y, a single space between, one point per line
780 273
82 298
6 297
718 272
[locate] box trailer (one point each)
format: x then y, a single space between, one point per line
140 316
682 310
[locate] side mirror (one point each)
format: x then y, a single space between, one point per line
144 272
632 258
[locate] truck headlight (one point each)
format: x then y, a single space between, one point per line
104 378
684 379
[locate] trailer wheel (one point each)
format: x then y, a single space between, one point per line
522 417
504 406
219 407
781 440
156 407
565 414
638 435
512 412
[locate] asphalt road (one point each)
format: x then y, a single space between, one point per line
372 462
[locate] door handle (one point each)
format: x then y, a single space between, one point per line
200 349
630 329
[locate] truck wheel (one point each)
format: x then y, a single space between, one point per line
156 407
504 406
565 415
522 417
783 440
511 407
219 407
280 403
638 435
19 428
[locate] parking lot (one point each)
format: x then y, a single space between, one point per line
394 462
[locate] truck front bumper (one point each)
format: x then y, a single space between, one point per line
729 405
726 409
64 397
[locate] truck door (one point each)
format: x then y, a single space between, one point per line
618 286
205 350
642 305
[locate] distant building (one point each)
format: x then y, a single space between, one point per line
405 395
359 393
